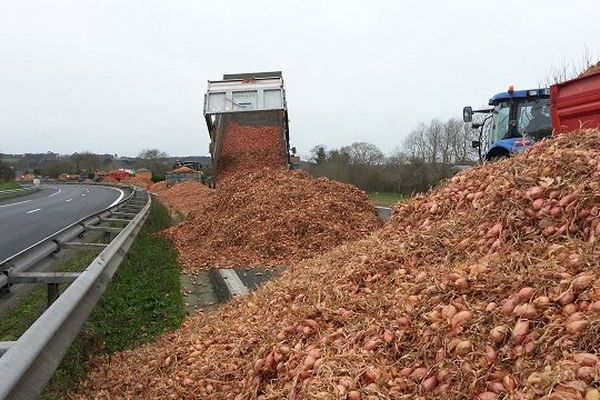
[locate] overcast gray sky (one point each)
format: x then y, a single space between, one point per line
118 76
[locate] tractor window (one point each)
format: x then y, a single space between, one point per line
500 122
534 119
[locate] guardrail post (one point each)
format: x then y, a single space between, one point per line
53 293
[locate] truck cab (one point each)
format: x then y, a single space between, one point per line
513 123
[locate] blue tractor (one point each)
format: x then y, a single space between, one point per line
516 120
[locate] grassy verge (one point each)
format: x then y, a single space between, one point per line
14 323
9 185
143 301
385 198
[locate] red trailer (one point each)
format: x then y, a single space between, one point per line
575 104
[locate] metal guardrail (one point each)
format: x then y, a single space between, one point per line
51 244
28 364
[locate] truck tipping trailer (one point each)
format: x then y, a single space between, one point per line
247 119
518 119
575 104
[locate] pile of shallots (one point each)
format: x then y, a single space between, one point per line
269 218
591 70
158 187
488 287
138 181
184 197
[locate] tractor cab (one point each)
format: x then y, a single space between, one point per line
515 121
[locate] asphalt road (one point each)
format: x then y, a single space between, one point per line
26 220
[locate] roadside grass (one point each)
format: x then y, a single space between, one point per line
15 322
143 301
386 198
9 185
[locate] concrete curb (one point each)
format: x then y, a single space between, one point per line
384 213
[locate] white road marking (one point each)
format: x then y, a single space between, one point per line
83 194
55 193
69 200
32 211
14 204
46 238
114 203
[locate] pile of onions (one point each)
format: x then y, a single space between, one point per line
488 287
183 198
269 218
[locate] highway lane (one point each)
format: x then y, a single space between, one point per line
26 220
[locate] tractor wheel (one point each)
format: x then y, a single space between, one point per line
498 157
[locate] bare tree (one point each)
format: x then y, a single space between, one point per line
397 158
86 161
154 160
54 168
415 143
459 135
565 70
363 153
6 172
428 153
440 142
434 140
318 154
153 154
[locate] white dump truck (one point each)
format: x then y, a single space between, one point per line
237 109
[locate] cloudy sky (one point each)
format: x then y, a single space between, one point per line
119 76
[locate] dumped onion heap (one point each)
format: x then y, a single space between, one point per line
158 187
183 170
184 197
248 149
591 70
139 181
487 287
270 218
109 178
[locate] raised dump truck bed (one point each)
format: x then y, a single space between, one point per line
247 120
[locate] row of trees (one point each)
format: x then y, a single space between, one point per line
85 163
6 172
426 157
441 142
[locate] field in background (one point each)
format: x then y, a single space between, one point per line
386 198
